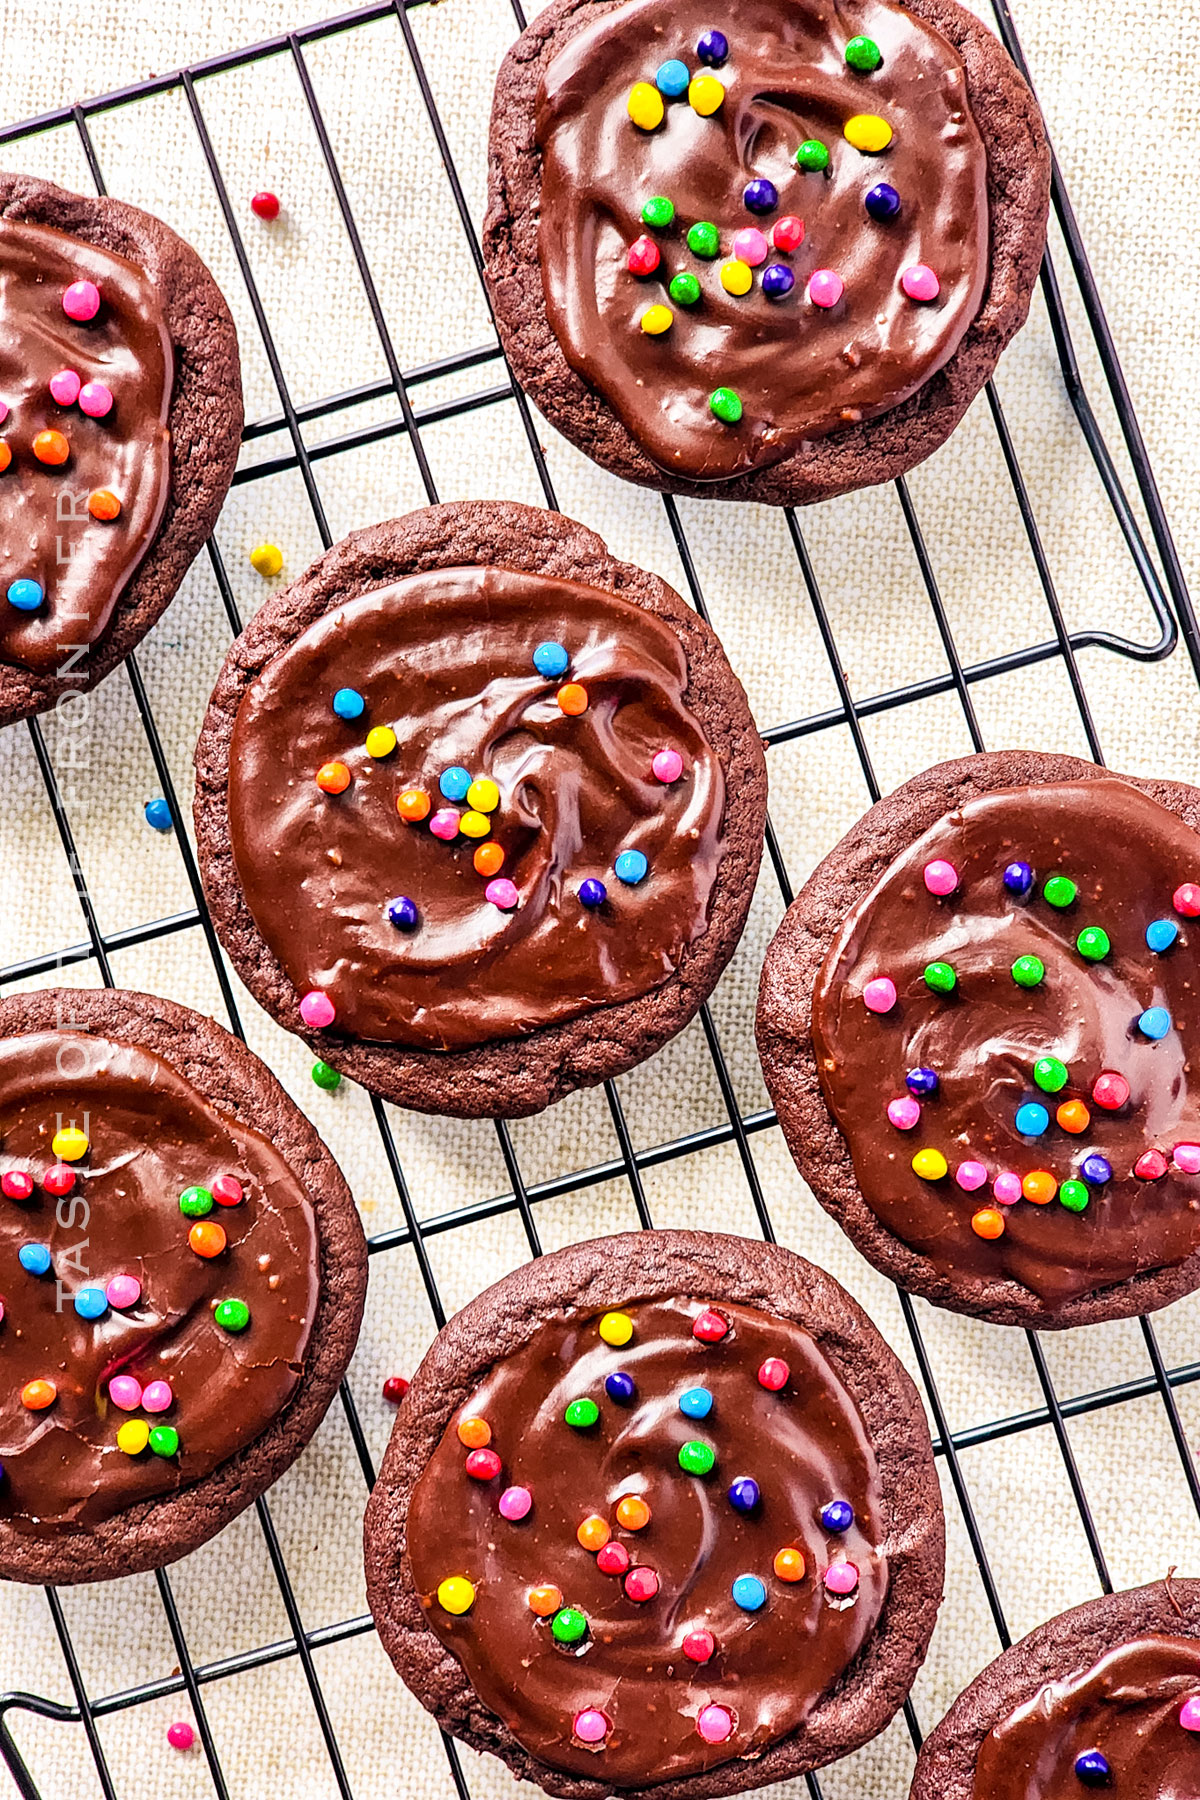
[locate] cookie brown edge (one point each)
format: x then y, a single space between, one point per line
236 1084
509 1077
609 1272
205 420
783 1029
877 450
1068 1644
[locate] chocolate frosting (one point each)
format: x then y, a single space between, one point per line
151 1136
444 659
799 370
805 1445
81 563
1126 1706
1128 856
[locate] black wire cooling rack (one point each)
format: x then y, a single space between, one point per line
1157 569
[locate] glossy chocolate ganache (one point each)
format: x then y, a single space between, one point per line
472 803
86 370
686 253
1128 1726
650 1537
158 1281
1007 1031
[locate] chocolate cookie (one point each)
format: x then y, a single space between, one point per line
120 422
979 1025
182 1273
479 809
659 1516
1105 1696
774 260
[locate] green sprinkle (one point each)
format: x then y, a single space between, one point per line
1093 943
232 1315
1028 971
863 54
704 240
1074 1195
326 1077
684 289
658 212
164 1440
568 1626
196 1202
582 1414
812 155
1050 1074
1060 890
941 978
724 403
696 1458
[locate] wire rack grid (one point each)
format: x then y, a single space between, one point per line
1147 541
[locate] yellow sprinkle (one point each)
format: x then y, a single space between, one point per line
267 559
868 133
483 794
69 1144
645 105
456 1594
930 1165
657 319
133 1437
474 824
736 277
706 94
381 741
616 1329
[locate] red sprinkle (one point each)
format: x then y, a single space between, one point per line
394 1389
710 1327
774 1374
699 1646
1151 1165
483 1465
644 256
59 1180
1186 900
17 1184
641 1583
1111 1091
265 205
226 1190
613 1559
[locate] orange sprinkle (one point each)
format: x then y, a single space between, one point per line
789 1564
103 504
488 859
206 1238
632 1512
572 698
594 1533
5 456
1039 1186
38 1395
1073 1116
333 778
988 1222
413 805
476 1434
544 1600
51 447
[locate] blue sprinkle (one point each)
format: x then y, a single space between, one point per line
402 913
619 1386
34 1259
1161 934
91 1303
743 1497
1032 1119
630 867
696 1403
1095 1169
1155 1022
922 1082
777 280
1018 879
158 814
1093 1768
348 703
550 660
883 203
592 893
713 48
837 1515
26 595
760 195
749 1593
672 80
454 782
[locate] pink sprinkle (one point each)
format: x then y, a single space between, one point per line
714 1723
667 766
1007 1189
64 387
501 893
879 996
941 877
920 283
1 1312
95 400
841 1578
125 1392
444 824
591 1726
1189 1713
123 1291
180 1736
825 287
904 1113
317 1010
515 1502
970 1175
1187 1158
3 411
750 246
157 1397
81 300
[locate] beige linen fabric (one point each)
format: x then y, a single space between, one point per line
1118 86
